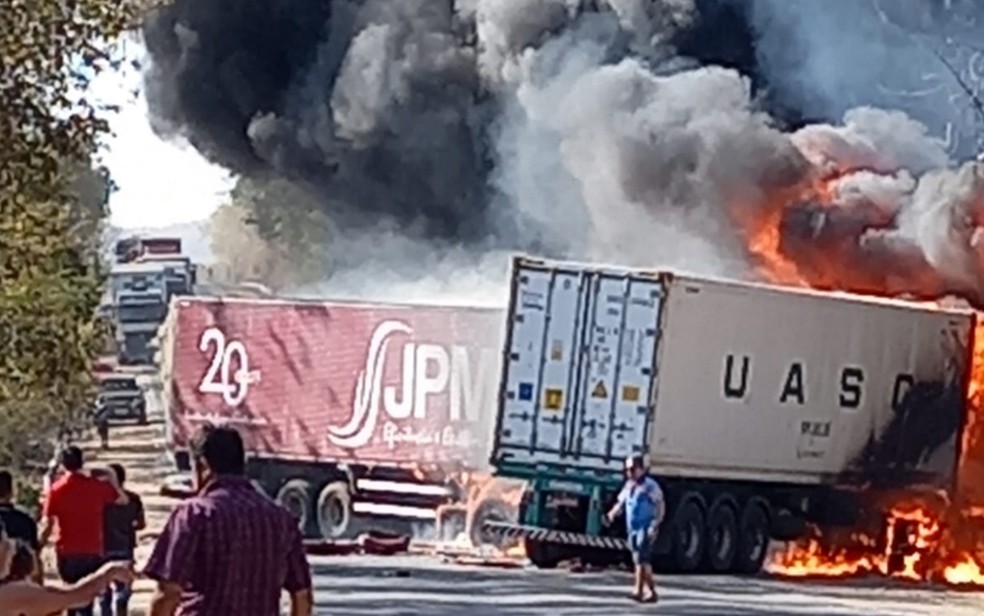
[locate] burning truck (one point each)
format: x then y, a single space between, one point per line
846 425
355 416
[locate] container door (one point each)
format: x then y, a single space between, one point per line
579 370
545 330
617 369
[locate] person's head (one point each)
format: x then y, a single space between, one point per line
71 459
120 473
23 562
217 451
635 467
6 486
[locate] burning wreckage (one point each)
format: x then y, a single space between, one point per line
844 425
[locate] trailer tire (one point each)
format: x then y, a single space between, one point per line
722 535
753 537
687 535
334 510
490 510
295 497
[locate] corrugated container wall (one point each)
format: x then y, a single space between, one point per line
335 381
726 380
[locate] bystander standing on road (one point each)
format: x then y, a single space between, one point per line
120 528
228 550
19 524
100 417
76 505
644 506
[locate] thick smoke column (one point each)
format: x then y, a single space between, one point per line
440 132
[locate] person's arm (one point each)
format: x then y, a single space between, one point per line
34 542
173 563
619 504
30 598
48 512
659 500
45 535
297 582
140 522
115 495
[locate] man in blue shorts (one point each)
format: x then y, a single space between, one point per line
644 506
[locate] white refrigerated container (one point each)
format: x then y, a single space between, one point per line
726 380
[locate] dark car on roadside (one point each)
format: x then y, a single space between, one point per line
121 399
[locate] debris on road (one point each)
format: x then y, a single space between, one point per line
372 542
495 562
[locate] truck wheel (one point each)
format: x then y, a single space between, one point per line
753 538
542 554
687 536
722 536
334 510
491 510
295 497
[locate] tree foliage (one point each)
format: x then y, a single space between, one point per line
256 239
50 221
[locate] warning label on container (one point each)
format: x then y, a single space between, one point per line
553 399
525 392
630 393
599 390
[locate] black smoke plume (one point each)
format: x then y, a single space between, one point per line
644 132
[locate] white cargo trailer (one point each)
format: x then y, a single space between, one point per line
758 408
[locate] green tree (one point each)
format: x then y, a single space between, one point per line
256 239
50 275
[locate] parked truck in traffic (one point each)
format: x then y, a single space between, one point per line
762 411
148 273
354 414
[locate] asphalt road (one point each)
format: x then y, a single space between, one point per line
389 586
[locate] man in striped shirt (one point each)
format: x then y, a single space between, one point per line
228 550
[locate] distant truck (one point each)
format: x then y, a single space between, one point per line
148 273
130 249
759 409
353 414
121 397
139 305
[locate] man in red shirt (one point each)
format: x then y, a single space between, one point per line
76 504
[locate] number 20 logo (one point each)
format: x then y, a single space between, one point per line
219 378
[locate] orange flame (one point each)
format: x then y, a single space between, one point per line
944 544
480 488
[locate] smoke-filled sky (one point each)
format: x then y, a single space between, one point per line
809 142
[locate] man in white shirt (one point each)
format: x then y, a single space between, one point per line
642 500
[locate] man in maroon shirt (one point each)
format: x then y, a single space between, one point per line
76 504
228 550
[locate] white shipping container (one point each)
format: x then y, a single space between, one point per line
726 380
